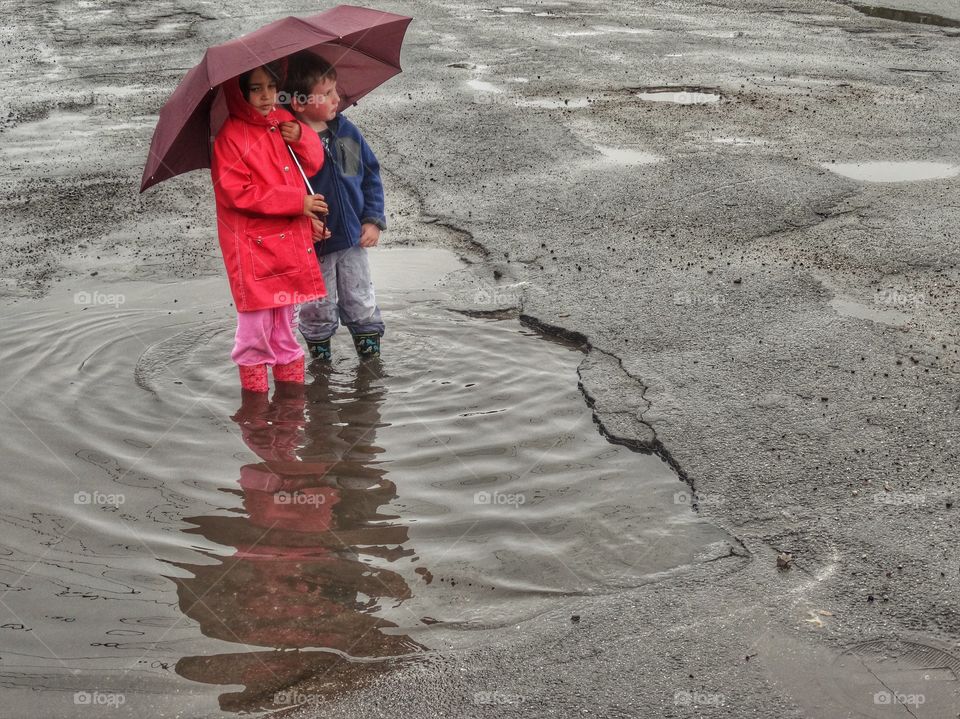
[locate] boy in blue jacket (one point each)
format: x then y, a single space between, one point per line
350 182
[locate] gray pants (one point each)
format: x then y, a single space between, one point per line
350 298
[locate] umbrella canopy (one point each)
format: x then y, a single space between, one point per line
363 45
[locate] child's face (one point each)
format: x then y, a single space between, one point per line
322 102
263 91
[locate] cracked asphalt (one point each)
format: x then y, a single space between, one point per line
787 337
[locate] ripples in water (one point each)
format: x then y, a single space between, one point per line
171 544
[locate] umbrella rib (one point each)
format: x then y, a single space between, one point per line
338 40
380 60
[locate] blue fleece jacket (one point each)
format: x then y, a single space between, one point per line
350 182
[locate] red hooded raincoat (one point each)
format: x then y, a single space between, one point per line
265 238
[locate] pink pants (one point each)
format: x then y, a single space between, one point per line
266 336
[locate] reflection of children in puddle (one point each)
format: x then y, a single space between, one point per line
299 578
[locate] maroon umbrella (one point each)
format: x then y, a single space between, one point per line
363 44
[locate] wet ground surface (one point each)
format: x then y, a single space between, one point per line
767 282
168 538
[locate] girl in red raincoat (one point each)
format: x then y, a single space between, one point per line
266 222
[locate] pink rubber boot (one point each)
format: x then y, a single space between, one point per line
254 377
290 372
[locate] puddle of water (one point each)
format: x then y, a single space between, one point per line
484 86
849 306
627 156
624 30
679 95
877 678
893 171
164 537
921 18
512 9
605 30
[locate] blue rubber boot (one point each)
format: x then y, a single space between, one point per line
367 344
320 350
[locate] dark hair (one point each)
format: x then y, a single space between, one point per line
304 71
271 68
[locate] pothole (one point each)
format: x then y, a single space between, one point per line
383 512
887 308
679 94
887 171
627 156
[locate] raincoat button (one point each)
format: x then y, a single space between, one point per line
282 235
309 250
273 129
286 168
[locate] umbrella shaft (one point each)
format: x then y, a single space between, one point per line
302 173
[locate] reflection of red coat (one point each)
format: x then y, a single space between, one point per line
265 238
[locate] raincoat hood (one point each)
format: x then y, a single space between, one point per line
266 240
239 108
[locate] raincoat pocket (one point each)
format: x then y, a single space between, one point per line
272 250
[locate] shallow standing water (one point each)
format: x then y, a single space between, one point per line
172 549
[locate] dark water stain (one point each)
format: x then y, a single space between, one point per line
921 18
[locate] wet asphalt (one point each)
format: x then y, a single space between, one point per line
785 336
